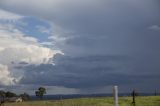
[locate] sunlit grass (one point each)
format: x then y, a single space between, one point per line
107 101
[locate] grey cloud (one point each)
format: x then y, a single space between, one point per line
76 72
90 74
83 72
98 35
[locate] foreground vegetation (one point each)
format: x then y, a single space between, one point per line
107 101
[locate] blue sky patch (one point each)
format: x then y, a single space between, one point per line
30 26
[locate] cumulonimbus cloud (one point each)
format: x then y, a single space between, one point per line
16 48
5 76
92 27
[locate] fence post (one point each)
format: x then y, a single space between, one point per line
115 93
133 95
155 93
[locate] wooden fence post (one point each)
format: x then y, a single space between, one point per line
115 93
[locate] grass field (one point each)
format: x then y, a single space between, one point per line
107 101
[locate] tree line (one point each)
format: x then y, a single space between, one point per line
10 94
25 97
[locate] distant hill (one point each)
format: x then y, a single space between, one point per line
58 97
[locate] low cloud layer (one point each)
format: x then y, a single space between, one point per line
88 73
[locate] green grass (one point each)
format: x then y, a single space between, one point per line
107 101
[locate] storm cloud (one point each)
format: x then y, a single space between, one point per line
105 43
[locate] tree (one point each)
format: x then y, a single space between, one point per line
2 94
2 97
25 96
10 94
40 92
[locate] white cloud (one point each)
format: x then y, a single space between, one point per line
5 15
43 29
47 43
15 48
5 76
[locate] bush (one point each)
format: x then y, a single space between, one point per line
25 96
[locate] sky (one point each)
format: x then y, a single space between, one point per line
79 46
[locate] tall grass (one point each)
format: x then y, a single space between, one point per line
108 101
